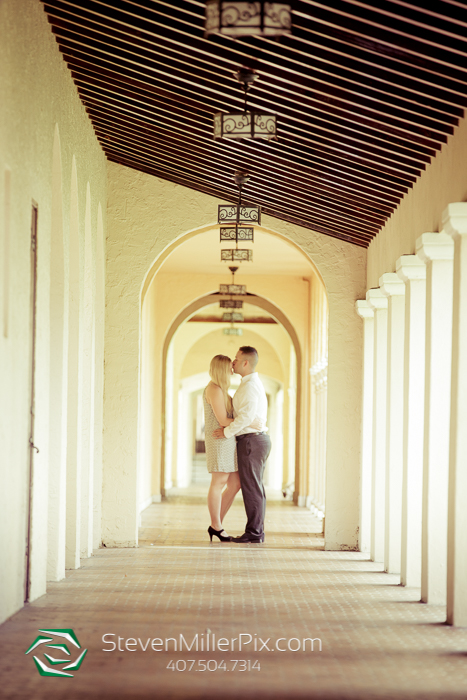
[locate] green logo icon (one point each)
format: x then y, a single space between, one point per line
49 639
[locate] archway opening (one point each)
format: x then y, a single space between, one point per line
195 341
182 329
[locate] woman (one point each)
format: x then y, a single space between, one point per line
221 455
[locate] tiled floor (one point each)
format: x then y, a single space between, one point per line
377 640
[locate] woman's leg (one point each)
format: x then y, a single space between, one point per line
233 487
218 481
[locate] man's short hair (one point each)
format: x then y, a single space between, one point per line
251 354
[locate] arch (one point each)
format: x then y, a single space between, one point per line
254 300
181 280
193 345
145 216
188 311
184 237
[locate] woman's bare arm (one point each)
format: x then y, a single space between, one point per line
215 399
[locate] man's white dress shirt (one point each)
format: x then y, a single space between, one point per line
249 403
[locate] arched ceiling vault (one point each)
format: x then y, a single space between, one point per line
367 92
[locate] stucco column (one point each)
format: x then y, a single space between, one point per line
393 287
412 270
366 312
120 506
455 224
437 252
379 303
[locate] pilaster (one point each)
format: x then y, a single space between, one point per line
379 303
366 312
411 269
393 288
437 252
455 224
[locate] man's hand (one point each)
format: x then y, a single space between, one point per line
219 433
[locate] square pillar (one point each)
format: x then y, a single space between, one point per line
379 303
412 271
455 224
437 252
393 288
366 312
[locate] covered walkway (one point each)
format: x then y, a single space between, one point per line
114 195
378 640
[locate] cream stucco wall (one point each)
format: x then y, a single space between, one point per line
44 134
444 181
146 215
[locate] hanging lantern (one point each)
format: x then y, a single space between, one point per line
238 19
227 214
238 214
232 289
239 289
236 255
233 317
245 125
233 331
234 233
249 124
231 304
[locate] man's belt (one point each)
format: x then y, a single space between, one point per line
245 435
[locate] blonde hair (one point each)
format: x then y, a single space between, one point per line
219 371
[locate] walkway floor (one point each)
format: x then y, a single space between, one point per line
377 640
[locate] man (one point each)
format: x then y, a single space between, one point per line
253 446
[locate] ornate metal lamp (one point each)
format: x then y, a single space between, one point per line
238 19
237 289
231 304
238 214
247 124
232 233
232 288
237 255
233 317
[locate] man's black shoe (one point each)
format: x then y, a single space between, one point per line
245 538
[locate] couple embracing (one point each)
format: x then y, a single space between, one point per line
237 444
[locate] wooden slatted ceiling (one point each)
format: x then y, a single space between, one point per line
366 94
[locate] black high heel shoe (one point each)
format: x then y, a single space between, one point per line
217 533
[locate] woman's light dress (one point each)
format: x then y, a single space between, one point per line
221 454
